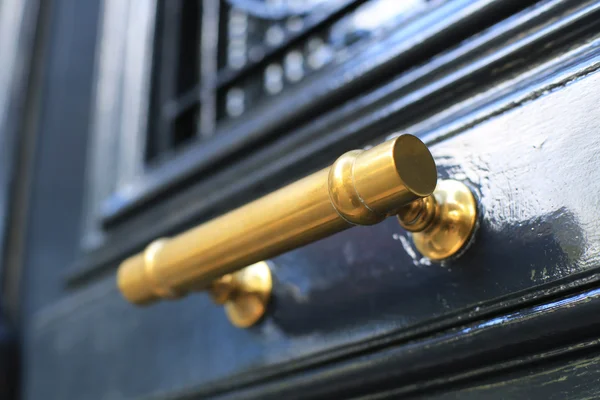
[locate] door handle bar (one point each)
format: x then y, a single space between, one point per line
362 187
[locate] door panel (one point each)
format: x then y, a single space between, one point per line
534 169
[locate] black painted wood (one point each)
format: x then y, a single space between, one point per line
366 287
531 38
567 378
17 88
360 313
529 340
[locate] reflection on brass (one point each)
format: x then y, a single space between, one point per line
245 293
360 188
443 222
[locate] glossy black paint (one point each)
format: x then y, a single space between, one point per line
541 334
344 294
361 312
414 44
436 85
566 378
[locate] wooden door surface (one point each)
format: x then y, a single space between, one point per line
503 94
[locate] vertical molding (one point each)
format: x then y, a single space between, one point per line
120 110
13 56
22 29
12 15
136 91
106 114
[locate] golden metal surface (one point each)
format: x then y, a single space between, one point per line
245 293
443 222
361 187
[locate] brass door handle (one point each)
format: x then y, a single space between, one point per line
363 187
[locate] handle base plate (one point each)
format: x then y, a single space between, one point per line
245 294
453 222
